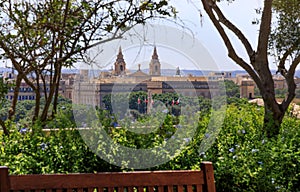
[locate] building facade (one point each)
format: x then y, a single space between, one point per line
120 80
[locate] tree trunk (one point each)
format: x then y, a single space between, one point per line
12 110
48 102
37 106
55 102
258 68
37 99
274 111
5 131
272 119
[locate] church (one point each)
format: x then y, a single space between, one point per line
120 71
120 80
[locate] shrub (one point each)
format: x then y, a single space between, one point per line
243 158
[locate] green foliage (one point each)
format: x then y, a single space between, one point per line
280 93
4 88
232 89
41 37
285 35
139 102
30 150
243 158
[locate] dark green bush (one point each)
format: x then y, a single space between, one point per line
243 159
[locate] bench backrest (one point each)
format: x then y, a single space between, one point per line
136 181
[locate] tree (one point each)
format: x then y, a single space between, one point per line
258 63
5 85
232 89
41 37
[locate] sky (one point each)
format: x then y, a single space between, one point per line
197 46
240 12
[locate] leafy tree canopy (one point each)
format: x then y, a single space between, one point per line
280 36
39 37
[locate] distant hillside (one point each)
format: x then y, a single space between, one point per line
165 72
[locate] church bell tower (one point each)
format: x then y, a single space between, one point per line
154 66
120 65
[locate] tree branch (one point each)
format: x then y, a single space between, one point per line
291 83
4 127
208 6
287 53
292 69
236 31
265 29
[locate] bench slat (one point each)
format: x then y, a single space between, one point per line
160 188
110 189
150 189
100 189
90 189
130 189
138 181
140 189
20 182
180 188
120 189
189 188
199 188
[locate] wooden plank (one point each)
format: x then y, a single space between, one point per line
150 189
160 188
189 188
110 189
120 189
199 188
100 189
141 178
130 189
170 188
208 174
180 188
4 179
140 188
120 180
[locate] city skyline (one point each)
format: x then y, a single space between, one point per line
202 30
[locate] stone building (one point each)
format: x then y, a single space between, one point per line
120 80
154 66
247 88
27 93
66 85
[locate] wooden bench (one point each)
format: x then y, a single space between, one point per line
136 181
